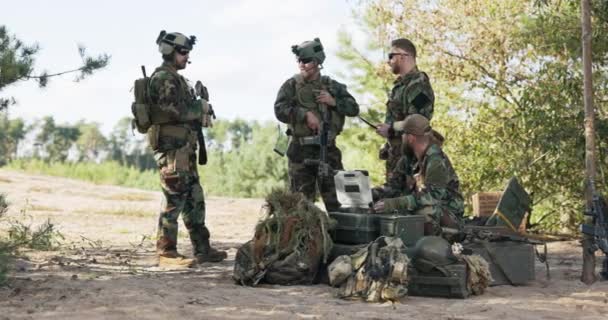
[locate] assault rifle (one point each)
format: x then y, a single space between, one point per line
599 230
482 236
322 165
202 92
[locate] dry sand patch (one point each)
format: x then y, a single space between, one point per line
107 269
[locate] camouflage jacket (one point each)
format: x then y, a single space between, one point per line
411 94
173 97
175 112
400 182
296 97
436 185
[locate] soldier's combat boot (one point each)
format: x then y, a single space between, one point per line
174 260
168 256
199 236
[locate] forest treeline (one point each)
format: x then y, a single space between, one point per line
508 82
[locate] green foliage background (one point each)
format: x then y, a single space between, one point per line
508 82
241 160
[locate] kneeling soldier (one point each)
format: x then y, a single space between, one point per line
436 192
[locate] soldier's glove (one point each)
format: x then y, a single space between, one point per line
384 152
400 203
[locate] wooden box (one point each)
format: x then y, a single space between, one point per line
484 203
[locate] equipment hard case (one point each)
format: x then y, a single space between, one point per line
408 228
354 228
449 282
511 262
363 228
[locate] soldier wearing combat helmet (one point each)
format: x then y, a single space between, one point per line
176 116
436 193
301 103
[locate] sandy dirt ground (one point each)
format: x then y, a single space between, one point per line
105 268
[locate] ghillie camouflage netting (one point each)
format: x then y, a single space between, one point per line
289 244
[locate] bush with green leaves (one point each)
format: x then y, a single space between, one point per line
508 87
22 234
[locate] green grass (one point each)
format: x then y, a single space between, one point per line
105 173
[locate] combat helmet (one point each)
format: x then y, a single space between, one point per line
174 41
431 252
309 50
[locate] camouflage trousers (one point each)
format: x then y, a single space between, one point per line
182 194
437 217
304 178
393 155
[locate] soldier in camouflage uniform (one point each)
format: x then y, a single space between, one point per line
411 94
436 192
177 117
300 104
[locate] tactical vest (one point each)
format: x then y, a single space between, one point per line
184 96
305 97
145 111
166 131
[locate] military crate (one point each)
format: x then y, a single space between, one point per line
510 262
484 203
363 228
409 228
449 283
512 207
354 228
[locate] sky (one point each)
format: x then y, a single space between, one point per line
243 53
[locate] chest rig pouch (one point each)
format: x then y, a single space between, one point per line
145 112
166 132
306 93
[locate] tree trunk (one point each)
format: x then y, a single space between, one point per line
588 275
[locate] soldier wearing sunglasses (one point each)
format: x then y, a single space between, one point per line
303 101
411 94
175 113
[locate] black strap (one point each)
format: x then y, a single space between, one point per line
542 257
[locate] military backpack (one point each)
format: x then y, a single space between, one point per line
140 108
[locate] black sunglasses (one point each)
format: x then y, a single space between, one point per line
183 52
305 60
392 54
